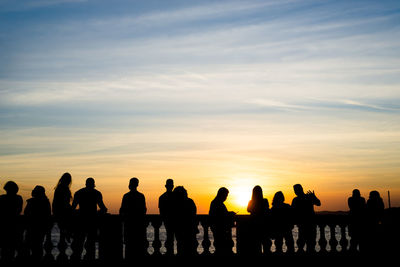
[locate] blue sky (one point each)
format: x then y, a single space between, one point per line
291 83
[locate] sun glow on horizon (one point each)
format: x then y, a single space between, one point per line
240 194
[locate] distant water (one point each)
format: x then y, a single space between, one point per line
55 237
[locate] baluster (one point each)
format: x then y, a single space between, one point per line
322 238
333 241
148 224
48 247
206 243
343 238
156 222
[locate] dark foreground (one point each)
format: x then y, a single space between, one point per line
236 260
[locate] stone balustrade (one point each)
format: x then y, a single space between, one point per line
332 237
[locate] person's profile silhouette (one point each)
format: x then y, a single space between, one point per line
133 210
10 230
221 222
61 206
357 214
258 207
374 221
185 222
303 207
165 206
282 223
38 214
88 199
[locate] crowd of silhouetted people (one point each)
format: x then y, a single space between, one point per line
77 218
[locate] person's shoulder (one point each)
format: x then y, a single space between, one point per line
80 191
191 201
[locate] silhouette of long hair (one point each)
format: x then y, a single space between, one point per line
279 198
65 180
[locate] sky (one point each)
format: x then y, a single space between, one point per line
209 93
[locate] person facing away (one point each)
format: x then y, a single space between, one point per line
357 207
303 207
38 214
10 231
258 207
221 222
375 210
61 205
133 210
165 206
185 222
282 222
88 199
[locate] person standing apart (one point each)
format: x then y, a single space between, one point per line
133 210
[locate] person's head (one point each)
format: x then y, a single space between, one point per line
90 183
11 188
169 184
180 193
374 195
38 192
65 180
298 190
356 193
133 183
279 198
222 194
257 193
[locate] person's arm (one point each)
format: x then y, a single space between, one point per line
144 205
100 202
27 210
75 201
123 207
19 205
314 198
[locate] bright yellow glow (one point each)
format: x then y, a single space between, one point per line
242 199
240 194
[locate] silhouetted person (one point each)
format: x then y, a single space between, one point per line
88 199
357 208
38 215
303 207
10 230
185 222
221 222
258 207
282 222
133 210
375 210
61 206
165 205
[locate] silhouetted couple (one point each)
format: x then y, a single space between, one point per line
178 213
38 222
366 220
